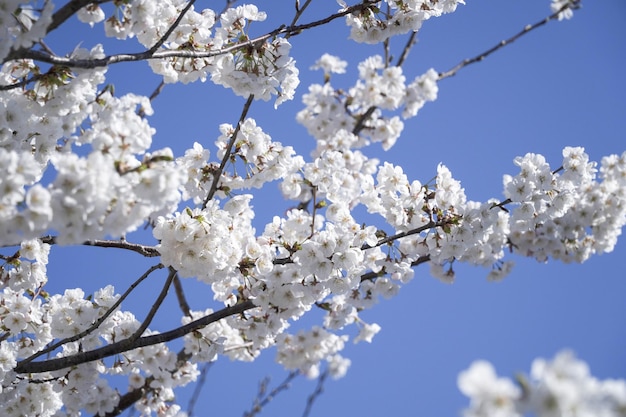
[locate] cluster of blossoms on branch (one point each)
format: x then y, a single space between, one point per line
380 87
561 387
22 24
77 160
394 17
263 69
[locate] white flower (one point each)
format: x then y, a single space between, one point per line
338 366
15 322
490 396
367 332
330 64
307 349
8 360
91 14
564 7
422 89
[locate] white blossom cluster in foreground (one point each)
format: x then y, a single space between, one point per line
561 387
76 163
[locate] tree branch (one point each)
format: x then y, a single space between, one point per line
155 306
360 123
502 44
126 344
373 275
127 400
27 366
262 400
98 322
147 251
146 55
299 10
430 225
180 295
199 384
407 48
229 148
171 29
319 389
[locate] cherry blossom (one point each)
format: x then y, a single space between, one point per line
78 167
562 386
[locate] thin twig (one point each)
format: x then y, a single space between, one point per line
313 214
360 123
229 148
157 91
319 389
198 388
299 11
407 48
502 44
171 29
154 95
180 295
373 275
386 42
430 225
262 400
155 306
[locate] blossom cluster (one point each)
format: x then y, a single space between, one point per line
23 23
36 118
217 338
382 21
29 324
561 387
110 190
305 350
259 68
254 160
328 260
208 243
565 8
76 160
378 88
263 159
566 215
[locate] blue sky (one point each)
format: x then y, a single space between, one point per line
560 85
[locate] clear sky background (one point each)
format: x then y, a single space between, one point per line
562 85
